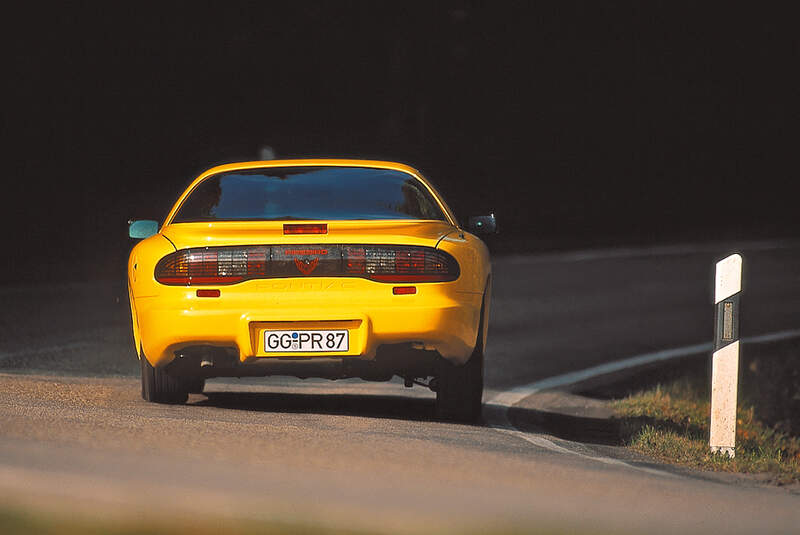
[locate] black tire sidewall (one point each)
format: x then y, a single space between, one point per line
160 387
460 388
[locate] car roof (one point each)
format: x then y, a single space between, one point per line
332 162
319 162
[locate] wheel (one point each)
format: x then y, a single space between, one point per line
160 387
459 389
196 386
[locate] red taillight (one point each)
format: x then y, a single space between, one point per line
305 228
386 263
382 263
409 261
354 260
222 265
257 261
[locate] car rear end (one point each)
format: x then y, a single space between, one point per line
249 295
301 299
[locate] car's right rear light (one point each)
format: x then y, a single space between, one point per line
382 263
400 264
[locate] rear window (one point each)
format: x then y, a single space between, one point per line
287 193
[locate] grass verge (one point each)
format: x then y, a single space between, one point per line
670 421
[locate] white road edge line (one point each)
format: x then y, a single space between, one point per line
544 443
499 405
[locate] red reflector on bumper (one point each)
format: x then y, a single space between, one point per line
207 293
404 290
305 228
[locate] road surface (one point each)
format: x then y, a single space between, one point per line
75 435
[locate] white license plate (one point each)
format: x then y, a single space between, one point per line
306 341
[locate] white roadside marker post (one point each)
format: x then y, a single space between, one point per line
725 359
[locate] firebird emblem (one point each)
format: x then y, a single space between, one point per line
306 266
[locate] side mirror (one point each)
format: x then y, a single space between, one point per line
142 228
482 224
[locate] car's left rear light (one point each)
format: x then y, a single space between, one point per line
219 265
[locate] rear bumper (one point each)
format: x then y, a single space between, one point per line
438 317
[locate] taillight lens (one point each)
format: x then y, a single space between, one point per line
382 263
214 265
400 264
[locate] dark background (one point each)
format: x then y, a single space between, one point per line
578 123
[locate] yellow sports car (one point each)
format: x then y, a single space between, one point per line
312 268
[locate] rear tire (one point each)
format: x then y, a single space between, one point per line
196 386
160 387
459 389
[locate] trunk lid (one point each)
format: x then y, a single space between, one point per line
216 234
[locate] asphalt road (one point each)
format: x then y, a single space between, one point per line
75 435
